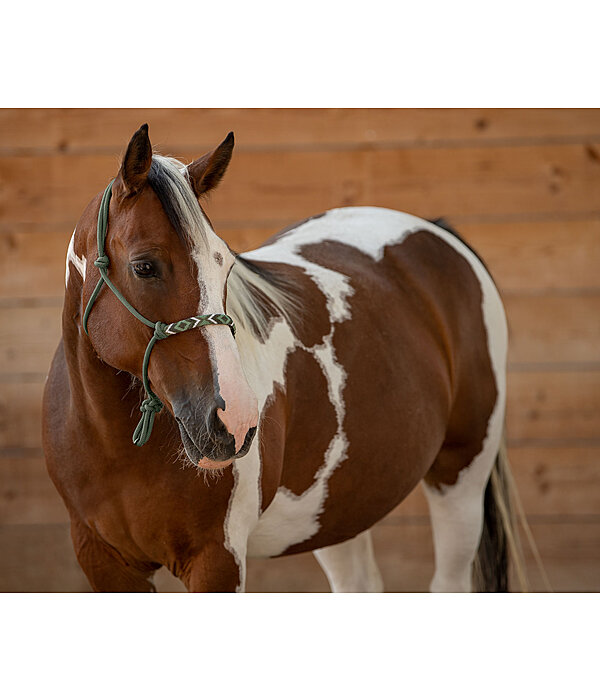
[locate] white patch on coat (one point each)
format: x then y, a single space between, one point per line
334 285
264 368
291 519
368 229
78 262
350 566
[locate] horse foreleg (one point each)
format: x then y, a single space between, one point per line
106 570
350 566
213 570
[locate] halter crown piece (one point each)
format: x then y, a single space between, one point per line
151 405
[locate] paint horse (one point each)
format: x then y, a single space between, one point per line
369 357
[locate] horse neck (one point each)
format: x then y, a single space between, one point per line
99 392
263 360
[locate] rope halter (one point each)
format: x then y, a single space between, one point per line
151 405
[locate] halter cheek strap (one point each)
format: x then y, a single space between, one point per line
151 405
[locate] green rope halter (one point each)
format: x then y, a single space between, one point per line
151 405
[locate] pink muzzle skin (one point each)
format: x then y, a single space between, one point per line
206 463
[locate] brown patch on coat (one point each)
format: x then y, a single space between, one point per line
419 386
271 433
312 422
312 321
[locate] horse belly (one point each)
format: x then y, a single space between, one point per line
346 466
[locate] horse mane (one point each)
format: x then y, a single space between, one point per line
255 294
168 178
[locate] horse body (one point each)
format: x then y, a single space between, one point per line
397 350
388 370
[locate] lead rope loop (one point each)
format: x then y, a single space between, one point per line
151 405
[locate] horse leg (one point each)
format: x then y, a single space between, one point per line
350 566
105 568
214 570
457 513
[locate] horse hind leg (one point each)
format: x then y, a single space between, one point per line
455 485
457 511
350 566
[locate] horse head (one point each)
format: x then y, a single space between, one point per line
163 256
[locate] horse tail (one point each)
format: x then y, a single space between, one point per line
500 544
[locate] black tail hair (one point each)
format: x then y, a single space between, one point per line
500 542
491 564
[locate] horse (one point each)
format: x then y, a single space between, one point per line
369 357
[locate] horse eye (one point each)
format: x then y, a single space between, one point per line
144 269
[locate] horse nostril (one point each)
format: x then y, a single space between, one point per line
214 422
248 439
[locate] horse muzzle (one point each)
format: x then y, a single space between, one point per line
208 444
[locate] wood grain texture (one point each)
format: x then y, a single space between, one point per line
268 186
547 329
553 406
29 339
27 495
557 480
33 265
539 256
68 130
21 414
39 559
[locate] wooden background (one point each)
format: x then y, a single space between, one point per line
522 187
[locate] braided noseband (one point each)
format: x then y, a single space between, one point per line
151 405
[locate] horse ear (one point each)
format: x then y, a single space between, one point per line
206 172
136 163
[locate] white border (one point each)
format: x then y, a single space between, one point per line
316 53
294 646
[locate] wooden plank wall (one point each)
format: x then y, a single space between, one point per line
521 185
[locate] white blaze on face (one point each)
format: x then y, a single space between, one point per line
240 412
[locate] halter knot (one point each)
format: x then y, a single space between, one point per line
102 262
149 408
152 403
159 330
